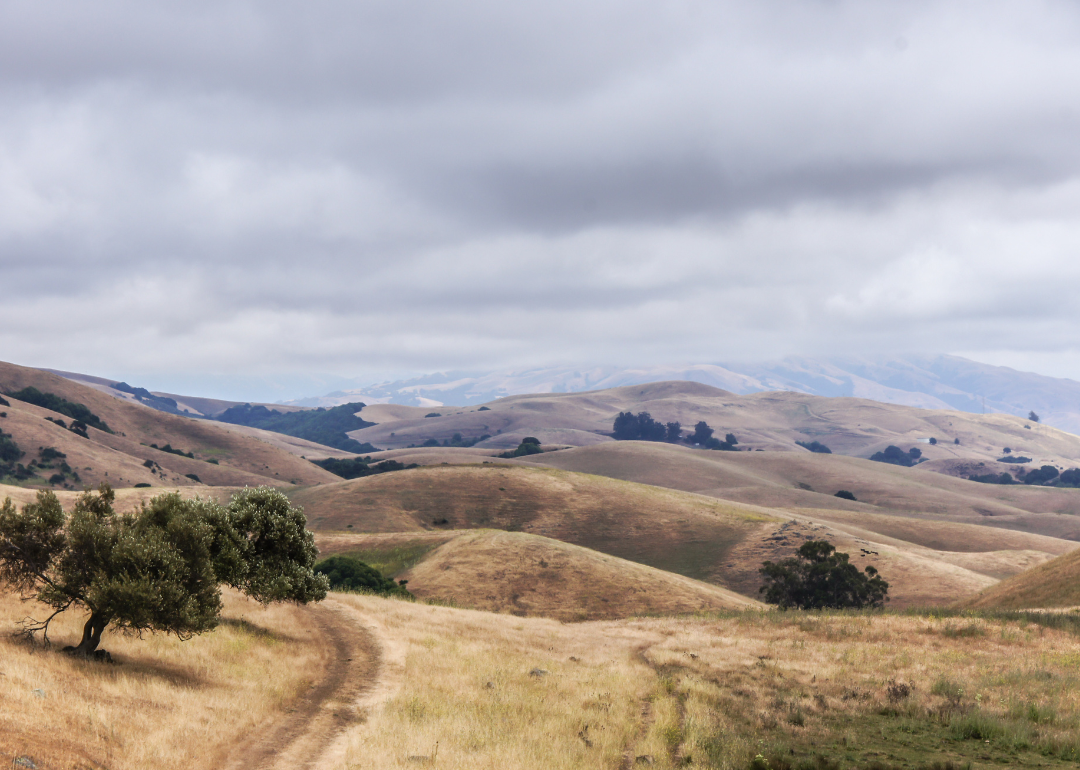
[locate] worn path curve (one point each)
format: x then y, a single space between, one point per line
304 733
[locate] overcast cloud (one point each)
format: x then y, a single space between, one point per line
363 189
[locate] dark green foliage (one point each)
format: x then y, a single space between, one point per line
933 441
818 578
433 414
356 467
702 433
1070 478
3 401
158 569
727 445
993 478
348 574
50 458
431 442
844 494
638 427
484 409
528 446
815 446
1014 459
1043 475
674 432
142 485
54 403
896 456
170 450
9 455
1007 450
193 477
956 441
323 426
149 464
1033 417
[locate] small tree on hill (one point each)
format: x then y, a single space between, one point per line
1033 417
818 577
158 569
702 433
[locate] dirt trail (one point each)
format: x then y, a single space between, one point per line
307 731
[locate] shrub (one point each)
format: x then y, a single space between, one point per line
894 455
815 446
993 478
1014 459
843 494
818 577
484 409
933 440
193 477
346 573
433 414
142 485
1033 417
1041 476
357 467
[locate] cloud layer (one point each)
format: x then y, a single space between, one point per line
252 188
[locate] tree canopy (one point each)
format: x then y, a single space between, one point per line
818 577
161 568
60 405
328 427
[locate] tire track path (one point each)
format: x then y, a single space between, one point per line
299 737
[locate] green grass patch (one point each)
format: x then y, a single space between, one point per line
391 561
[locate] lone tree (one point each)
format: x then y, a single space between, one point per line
1033 417
159 569
819 577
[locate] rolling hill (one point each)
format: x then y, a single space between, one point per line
531 575
222 457
1053 584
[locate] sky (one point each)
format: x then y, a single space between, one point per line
199 195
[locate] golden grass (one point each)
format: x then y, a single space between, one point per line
1053 584
714 691
167 704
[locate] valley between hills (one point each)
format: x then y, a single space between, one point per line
596 598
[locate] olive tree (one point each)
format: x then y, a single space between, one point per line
159 569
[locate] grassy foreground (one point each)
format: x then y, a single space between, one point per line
734 690
799 689
168 704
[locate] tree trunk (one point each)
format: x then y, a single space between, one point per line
91 637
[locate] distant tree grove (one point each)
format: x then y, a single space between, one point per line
642 427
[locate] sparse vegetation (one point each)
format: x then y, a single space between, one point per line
78 412
358 467
323 426
819 577
815 446
144 396
170 450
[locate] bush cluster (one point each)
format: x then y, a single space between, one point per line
894 455
357 467
642 427
347 573
323 426
815 446
529 445
54 403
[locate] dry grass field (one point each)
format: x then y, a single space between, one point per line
802 690
165 703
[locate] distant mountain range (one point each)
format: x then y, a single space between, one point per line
930 382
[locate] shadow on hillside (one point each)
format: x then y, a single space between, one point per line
247 627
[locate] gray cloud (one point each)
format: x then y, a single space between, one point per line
245 188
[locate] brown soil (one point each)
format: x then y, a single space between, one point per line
299 737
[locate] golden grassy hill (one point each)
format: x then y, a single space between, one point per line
771 421
535 576
127 499
1053 584
118 457
803 480
670 530
692 535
